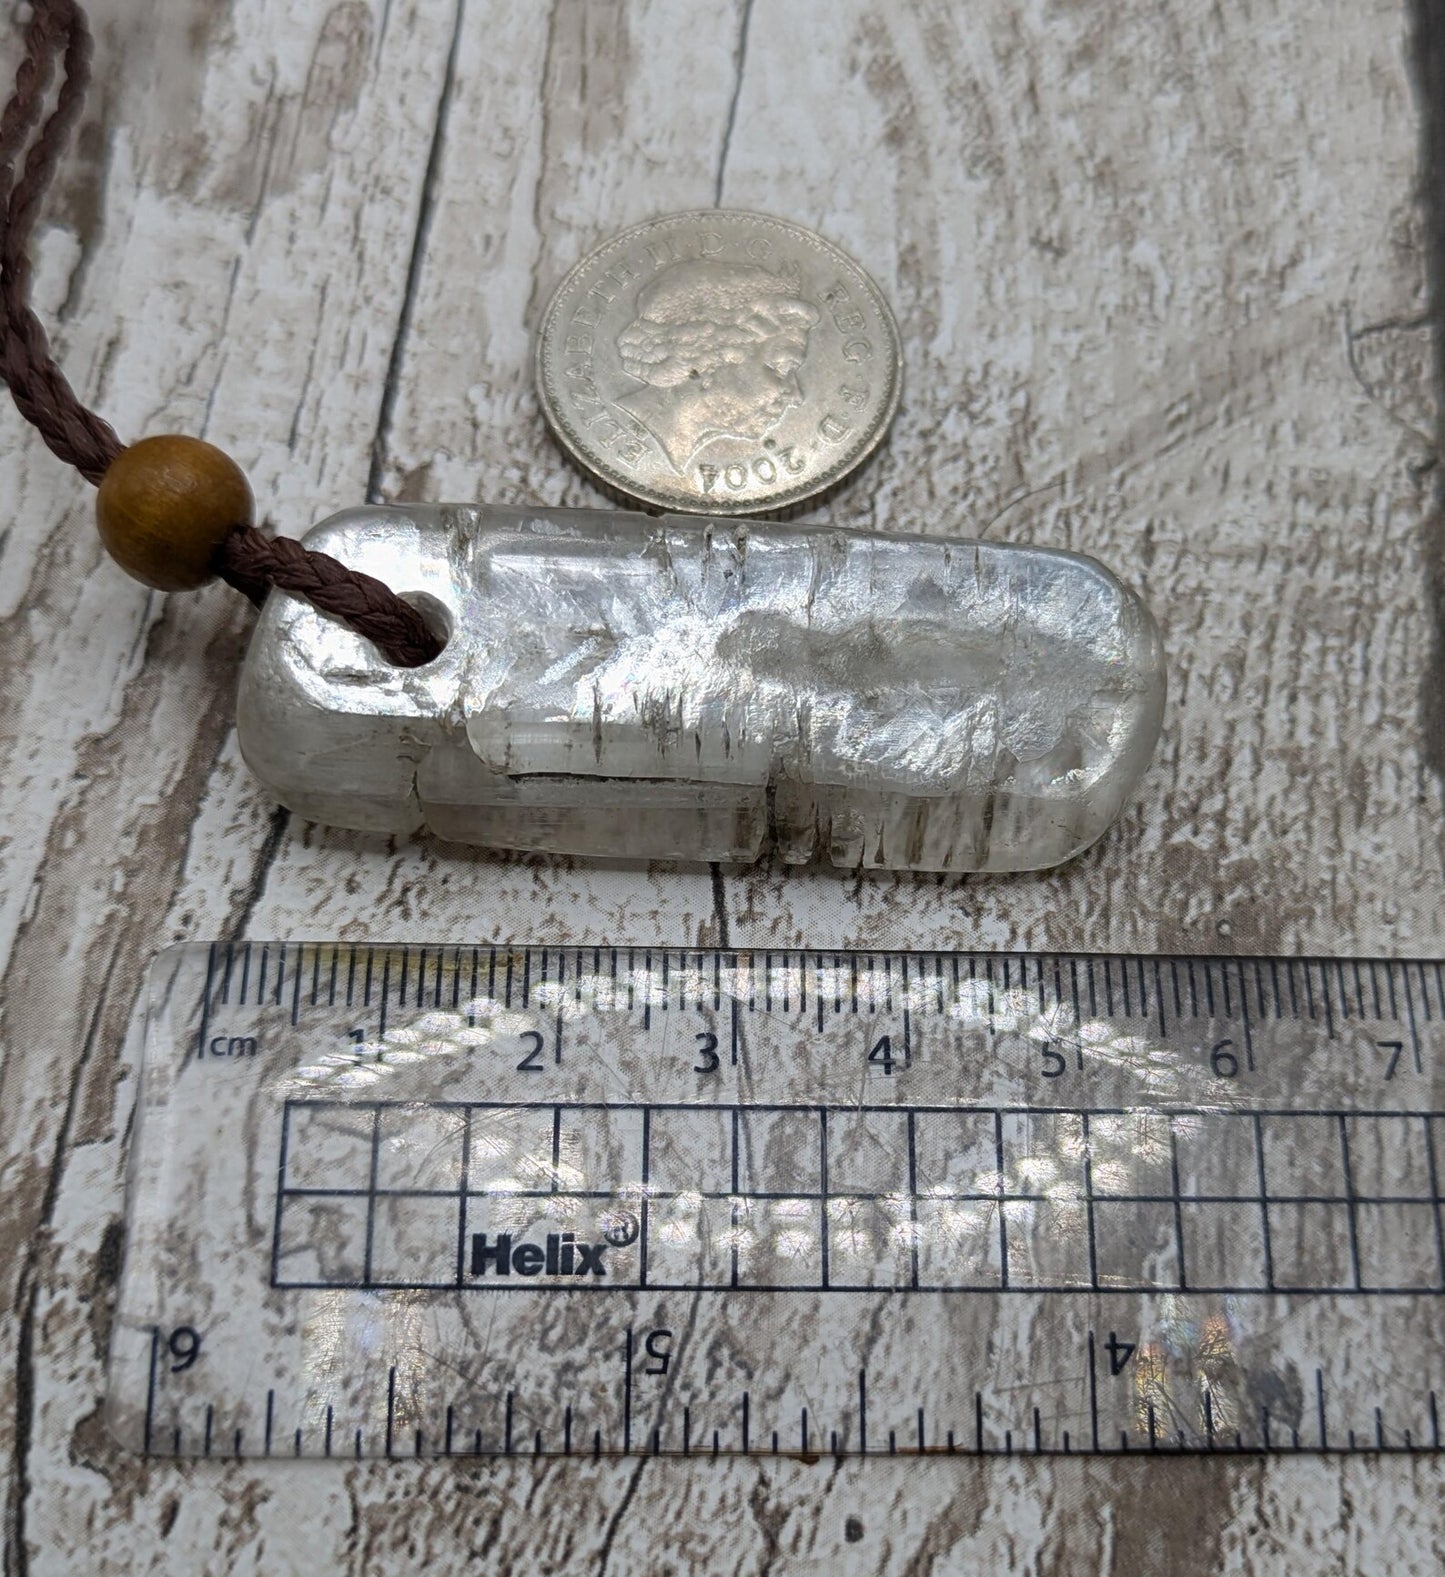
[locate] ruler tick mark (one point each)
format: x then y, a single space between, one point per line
226 974
823 1190
1089 1200
371 1193
913 1197
1263 1202
205 1030
1431 1162
1350 1206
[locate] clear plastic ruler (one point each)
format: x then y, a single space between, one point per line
427 1201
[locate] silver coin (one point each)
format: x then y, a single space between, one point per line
718 363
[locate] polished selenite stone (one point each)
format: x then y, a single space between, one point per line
629 687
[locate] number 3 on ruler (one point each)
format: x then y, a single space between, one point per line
706 1051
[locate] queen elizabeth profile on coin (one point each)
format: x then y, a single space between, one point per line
718 362
715 348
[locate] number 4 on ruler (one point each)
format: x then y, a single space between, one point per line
1119 1353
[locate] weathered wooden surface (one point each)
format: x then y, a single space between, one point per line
1159 270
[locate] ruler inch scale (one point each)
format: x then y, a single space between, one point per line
427 1201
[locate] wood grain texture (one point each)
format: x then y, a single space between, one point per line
1160 275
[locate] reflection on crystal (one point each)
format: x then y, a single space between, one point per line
1034 1174
739 1239
680 1229
621 686
793 1243
1154 1405
958 1226
849 1221
1110 1177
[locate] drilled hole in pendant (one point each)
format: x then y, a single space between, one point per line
435 613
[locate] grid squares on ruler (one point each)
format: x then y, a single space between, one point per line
385 1194
779 1152
1222 1244
690 1241
419 1149
1389 1156
1130 1154
1048 1243
1399 1245
690 1150
956 1154
868 1153
959 1243
1311 1245
1136 1243
328 1146
321 1241
413 1241
1303 1156
1216 1155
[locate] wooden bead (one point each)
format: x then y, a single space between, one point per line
166 504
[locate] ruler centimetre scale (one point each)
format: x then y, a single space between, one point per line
392 1201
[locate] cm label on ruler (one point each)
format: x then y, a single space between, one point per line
807 1202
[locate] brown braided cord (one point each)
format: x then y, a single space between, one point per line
252 562
57 31
249 560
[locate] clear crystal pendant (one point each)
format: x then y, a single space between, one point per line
630 687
